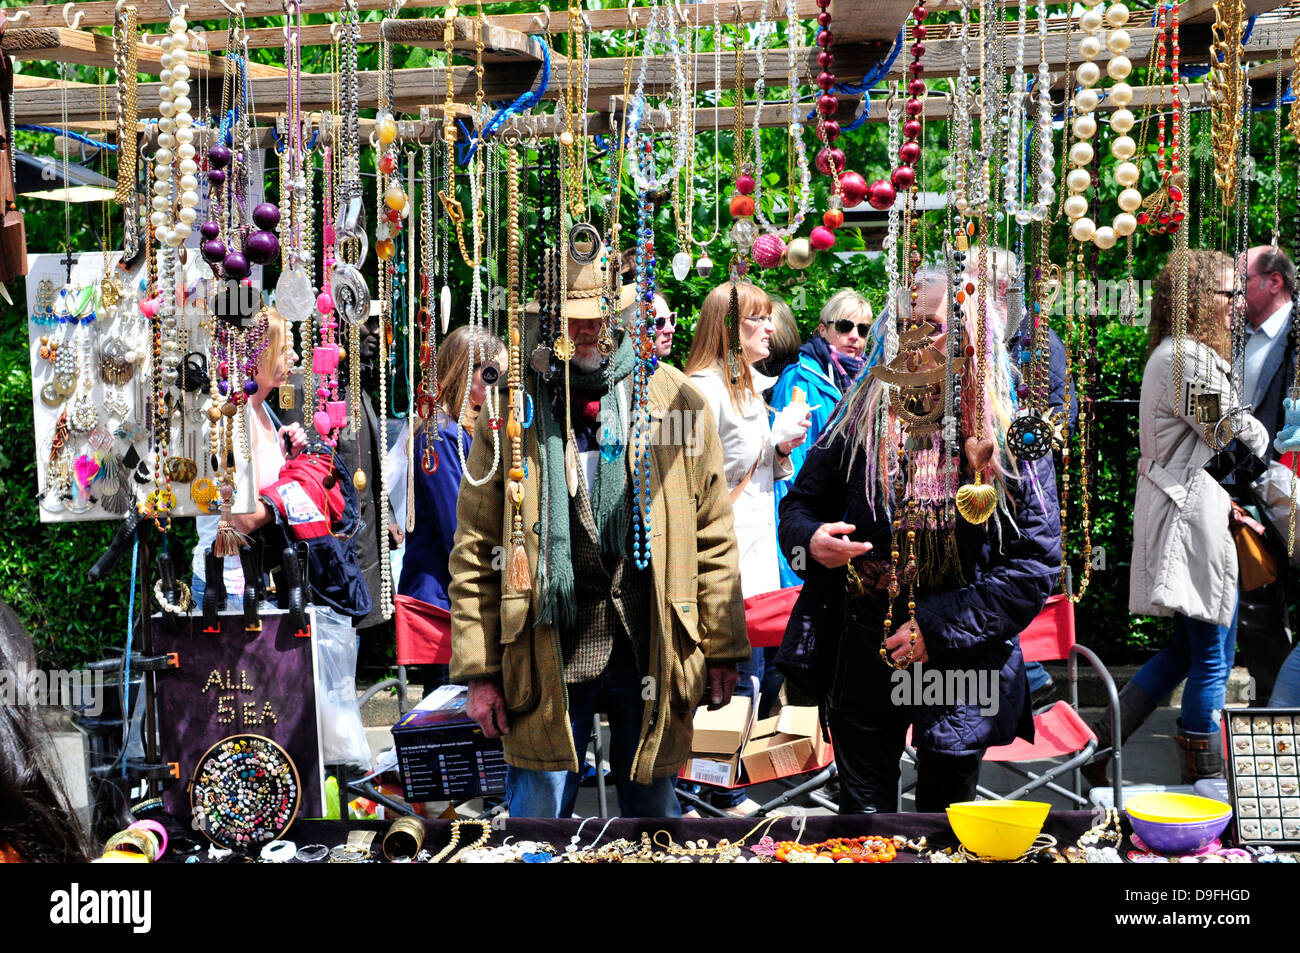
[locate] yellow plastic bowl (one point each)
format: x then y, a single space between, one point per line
1167 808
1002 830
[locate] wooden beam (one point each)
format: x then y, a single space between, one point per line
500 44
1202 11
729 12
61 45
102 12
855 21
414 88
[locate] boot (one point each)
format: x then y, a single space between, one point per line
1202 754
1134 709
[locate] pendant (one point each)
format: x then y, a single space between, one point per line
571 466
491 373
351 296
564 347
286 397
610 450
294 297
429 460
584 243
444 308
50 397
704 267
681 265
977 501
110 292
360 480
65 383
1029 437
605 343
540 360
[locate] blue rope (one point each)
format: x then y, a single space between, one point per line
523 103
130 636
70 134
869 82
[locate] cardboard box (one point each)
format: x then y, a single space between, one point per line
442 754
719 773
789 744
723 731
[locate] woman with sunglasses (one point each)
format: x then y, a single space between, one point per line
721 367
828 363
1184 558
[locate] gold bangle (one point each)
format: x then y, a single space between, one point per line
146 846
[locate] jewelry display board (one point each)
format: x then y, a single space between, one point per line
91 393
1263 774
238 683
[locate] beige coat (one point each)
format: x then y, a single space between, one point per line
697 612
1184 559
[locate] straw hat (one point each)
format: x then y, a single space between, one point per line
582 299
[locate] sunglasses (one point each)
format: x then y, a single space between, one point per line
844 326
670 318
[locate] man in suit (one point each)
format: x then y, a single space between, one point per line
1263 627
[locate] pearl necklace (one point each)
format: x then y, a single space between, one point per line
1122 147
642 174
175 128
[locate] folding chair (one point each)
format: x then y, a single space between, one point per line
1059 731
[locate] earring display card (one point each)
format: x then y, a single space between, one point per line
92 396
1262 774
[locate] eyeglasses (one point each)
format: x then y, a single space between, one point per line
670 318
759 318
1229 294
844 326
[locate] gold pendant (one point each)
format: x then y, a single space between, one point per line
977 501
110 293
360 480
286 397
564 347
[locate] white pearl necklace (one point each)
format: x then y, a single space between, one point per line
1122 147
175 143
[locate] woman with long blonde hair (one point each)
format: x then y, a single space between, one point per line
895 574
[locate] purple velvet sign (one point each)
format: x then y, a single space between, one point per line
237 683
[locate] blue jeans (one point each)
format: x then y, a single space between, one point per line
1038 676
1202 653
1286 690
616 692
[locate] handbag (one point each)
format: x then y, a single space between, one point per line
1256 563
768 613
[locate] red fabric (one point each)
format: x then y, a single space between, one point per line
1050 636
1059 731
423 632
309 471
767 614
1288 460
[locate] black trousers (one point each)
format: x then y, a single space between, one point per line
867 751
1264 633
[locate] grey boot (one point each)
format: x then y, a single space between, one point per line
1134 709
1202 754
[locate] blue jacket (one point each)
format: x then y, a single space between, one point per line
822 394
425 575
1012 569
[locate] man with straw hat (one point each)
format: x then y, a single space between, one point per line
583 630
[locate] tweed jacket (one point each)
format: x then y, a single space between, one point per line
697 614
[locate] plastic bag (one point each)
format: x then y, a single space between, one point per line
342 732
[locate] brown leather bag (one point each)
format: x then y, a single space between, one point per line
1256 562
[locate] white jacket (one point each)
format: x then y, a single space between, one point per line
747 436
1184 559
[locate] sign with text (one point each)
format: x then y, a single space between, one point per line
237 683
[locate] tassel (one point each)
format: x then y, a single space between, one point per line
517 576
613 535
227 542
115 499
571 466
110 468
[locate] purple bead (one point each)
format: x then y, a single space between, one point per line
223 387
216 177
235 265
210 230
1022 390
219 156
214 250
250 387
262 247
266 216
1027 340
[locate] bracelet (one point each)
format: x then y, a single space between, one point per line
155 828
313 853
143 843
279 851
183 605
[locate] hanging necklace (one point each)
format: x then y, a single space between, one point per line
517 574
643 174
125 38
1225 84
347 284
769 247
1162 211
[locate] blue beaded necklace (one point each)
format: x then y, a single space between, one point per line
644 368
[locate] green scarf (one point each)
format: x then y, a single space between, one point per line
608 496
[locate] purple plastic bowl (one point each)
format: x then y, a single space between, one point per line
1170 838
